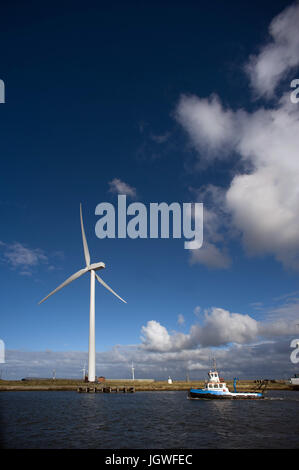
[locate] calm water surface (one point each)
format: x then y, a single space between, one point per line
146 420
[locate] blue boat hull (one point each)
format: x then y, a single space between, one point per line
212 395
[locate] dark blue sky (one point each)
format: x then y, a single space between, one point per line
91 92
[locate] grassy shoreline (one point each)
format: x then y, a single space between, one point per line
72 385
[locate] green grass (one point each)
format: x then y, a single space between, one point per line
72 384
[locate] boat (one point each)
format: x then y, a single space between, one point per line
216 388
294 382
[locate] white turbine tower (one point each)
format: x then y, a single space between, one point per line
133 376
92 268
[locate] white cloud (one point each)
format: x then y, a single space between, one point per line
262 202
282 319
155 337
20 257
160 139
220 328
279 56
197 310
120 187
215 221
209 126
181 319
209 255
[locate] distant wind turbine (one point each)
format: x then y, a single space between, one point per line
92 268
84 371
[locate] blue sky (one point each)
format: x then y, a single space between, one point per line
181 102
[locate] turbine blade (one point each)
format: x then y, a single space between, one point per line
65 283
85 246
107 287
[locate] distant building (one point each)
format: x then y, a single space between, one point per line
131 380
25 379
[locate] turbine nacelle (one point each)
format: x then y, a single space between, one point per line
96 266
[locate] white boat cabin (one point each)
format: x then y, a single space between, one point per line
215 383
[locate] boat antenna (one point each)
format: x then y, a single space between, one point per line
214 363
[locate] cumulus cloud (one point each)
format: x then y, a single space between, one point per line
279 55
220 328
117 186
264 203
262 199
155 337
181 319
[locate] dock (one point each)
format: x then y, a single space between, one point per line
101 389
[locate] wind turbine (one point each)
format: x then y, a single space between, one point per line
92 268
84 370
133 376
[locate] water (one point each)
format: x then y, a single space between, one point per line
146 420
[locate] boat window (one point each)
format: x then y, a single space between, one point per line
216 385
220 385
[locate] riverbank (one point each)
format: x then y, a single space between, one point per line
69 385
